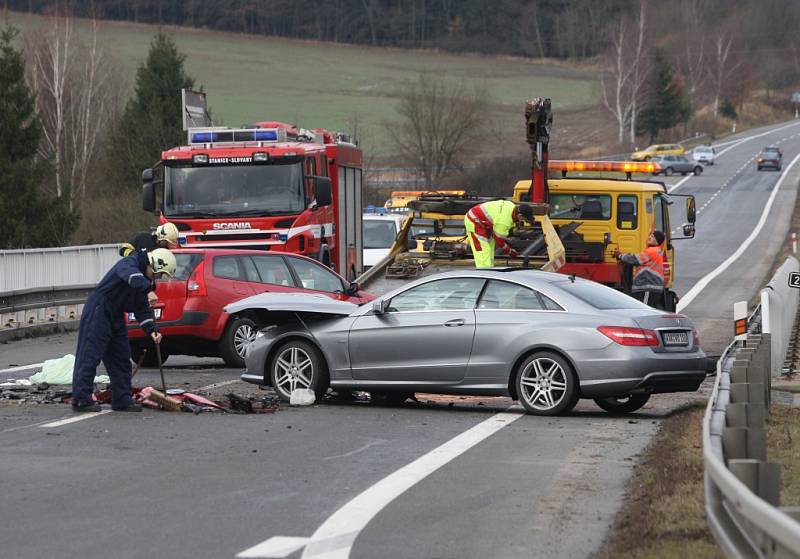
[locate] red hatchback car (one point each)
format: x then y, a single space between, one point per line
189 309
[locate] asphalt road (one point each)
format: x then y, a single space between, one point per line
354 479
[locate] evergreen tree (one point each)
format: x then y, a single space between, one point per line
668 104
28 218
152 120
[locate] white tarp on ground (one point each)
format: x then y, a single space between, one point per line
59 371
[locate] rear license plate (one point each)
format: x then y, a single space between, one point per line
132 317
675 338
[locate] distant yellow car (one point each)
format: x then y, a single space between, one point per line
657 149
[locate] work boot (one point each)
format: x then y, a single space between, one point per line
129 407
93 407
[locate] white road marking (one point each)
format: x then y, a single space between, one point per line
75 418
277 546
21 368
335 537
705 280
218 384
735 144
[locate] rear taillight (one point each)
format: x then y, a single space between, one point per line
196 285
696 341
629 336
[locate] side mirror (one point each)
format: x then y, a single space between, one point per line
352 289
688 230
380 306
691 212
149 196
322 191
147 176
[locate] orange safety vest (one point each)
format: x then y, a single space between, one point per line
651 273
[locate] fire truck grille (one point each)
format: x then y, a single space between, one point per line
232 237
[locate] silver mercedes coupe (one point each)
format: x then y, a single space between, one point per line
541 338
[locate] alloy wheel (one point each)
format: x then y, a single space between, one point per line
243 337
293 369
543 383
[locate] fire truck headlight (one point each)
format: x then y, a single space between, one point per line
260 157
200 159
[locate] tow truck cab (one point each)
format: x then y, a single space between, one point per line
613 215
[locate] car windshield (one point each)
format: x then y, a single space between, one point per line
234 190
379 233
650 148
599 296
769 155
702 149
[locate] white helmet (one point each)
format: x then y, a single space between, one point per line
162 261
167 232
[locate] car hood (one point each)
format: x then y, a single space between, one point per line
297 302
637 154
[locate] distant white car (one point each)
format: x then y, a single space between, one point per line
704 155
380 230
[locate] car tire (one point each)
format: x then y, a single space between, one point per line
758 168
390 398
668 171
622 404
239 332
150 360
697 171
546 384
298 364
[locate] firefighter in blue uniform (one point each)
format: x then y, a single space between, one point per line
103 336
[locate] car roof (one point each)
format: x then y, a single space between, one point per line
237 251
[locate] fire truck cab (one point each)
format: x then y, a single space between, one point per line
268 186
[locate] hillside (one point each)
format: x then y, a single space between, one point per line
327 85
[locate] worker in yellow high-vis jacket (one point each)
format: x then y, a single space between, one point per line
488 226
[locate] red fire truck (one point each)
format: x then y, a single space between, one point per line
266 186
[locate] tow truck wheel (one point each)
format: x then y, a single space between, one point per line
622 404
546 384
298 364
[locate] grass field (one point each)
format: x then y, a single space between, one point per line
251 78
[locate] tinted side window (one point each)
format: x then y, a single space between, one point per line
627 212
444 294
227 267
250 272
509 296
273 269
315 276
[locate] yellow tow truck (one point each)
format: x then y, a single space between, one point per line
582 217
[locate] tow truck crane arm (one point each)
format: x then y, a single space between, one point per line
538 120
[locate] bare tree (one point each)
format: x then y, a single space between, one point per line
721 67
439 121
627 70
75 99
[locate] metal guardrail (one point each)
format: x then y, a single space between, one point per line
742 490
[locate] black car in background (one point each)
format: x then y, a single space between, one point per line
770 158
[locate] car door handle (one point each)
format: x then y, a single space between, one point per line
455 322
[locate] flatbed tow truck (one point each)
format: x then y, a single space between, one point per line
580 222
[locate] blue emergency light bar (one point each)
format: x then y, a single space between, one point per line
233 135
